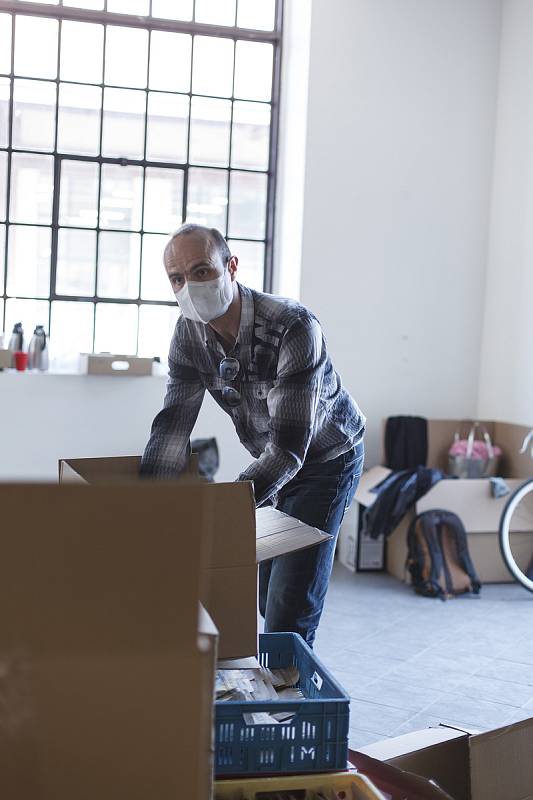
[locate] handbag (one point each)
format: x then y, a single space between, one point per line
471 458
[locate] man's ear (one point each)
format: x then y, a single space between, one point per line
233 263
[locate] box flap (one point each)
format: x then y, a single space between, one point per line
369 480
98 470
278 533
501 763
472 501
411 742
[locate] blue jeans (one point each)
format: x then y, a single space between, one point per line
292 587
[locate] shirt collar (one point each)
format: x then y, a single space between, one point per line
244 335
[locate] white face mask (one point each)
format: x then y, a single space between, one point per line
203 301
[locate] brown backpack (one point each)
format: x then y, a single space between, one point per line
437 556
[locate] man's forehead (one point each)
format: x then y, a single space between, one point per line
183 250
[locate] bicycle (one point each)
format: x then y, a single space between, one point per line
518 514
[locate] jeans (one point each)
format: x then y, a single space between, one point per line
292 587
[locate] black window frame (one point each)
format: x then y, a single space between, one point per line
104 17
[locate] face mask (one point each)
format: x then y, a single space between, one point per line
203 301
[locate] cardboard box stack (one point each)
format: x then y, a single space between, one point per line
470 499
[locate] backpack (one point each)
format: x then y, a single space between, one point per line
437 556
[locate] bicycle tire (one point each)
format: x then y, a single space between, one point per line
504 530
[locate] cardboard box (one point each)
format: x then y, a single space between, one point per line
241 540
495 765
108 364
106 671
5 359
470 499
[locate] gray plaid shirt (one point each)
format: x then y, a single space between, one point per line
293 408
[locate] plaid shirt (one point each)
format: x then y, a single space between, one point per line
293 407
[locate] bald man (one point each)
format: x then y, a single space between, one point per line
265 362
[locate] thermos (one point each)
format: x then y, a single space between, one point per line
38 350
16 343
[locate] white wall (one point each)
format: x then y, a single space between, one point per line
47 417
398 171
506 386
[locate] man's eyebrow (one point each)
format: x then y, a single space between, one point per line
176 272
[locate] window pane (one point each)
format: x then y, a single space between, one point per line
251 135
253 70
166 136
215 12
251 257
118 265
2 263
116 328
32 184
34 111
28 264
212 71
96 5
36 47
79 119
247 205
123 133
5 90
126 56
172 9
30 312
155 283
5 44
207 198
156 326
76 260
163 199
71 329
137 7
3 185
121 197
6 338
78 195
251 14
210 127
81 52
170 61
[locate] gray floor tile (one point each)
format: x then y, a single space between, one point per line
409 662
398 695
377 718
358 738
498 691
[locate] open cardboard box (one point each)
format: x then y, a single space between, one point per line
109 364
241 540
106 667
470 499
494 765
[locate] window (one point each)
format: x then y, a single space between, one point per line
114 129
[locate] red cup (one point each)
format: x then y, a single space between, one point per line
21 361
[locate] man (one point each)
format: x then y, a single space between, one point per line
265 362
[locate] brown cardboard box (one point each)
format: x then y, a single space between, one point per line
106 673
108 364
470 499
495 765
5 359
241 540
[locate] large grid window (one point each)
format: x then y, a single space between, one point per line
114 130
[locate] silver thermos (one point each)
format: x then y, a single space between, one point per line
16 343
38 350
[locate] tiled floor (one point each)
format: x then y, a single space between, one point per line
409 662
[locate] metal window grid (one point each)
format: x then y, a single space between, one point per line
149 23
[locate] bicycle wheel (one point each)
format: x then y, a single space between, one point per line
517 516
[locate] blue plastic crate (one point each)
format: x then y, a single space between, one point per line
316 740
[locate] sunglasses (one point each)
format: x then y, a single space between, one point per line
228 369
